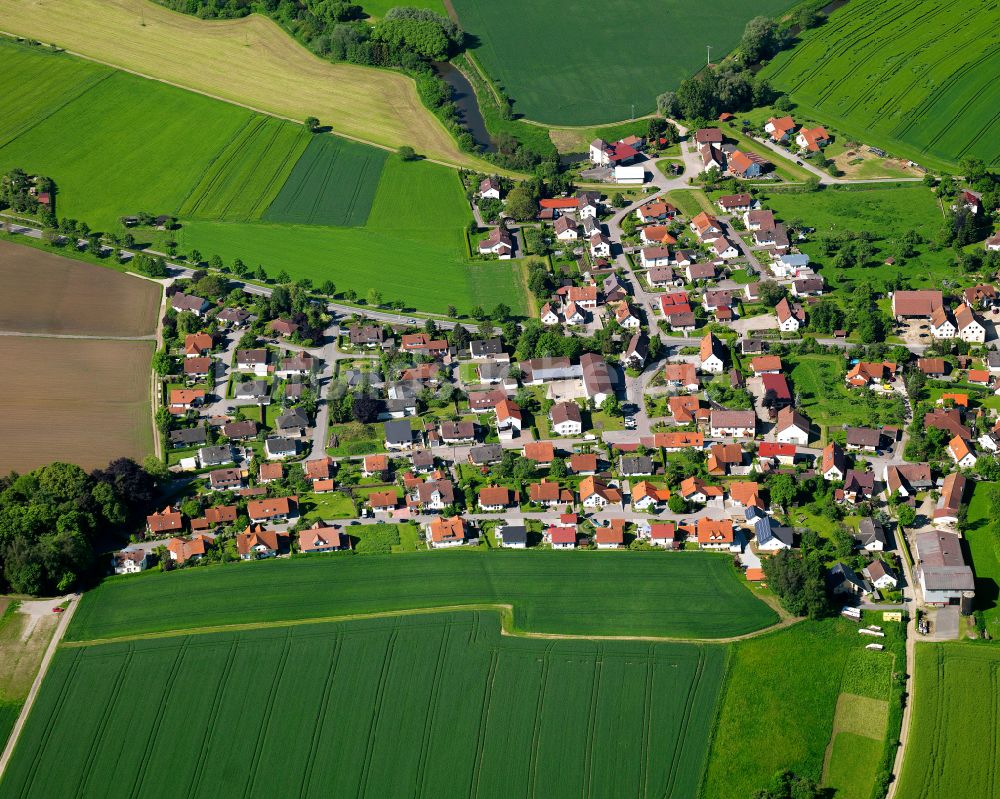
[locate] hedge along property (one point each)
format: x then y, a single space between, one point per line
239 180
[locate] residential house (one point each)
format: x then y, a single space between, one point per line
596 494
188 436
834 462
566 419
508 418
273 509
293 423
747 165
130 561
942 324
842 579
863 439
696 490
548 493
597 382
780 129
189 303
489 188
968 327
726 423
494 498
457 432
611 535
513 536
858 486
225 479
663 534
256 543
707 227
961 452
276 447
383 501
736 203
323 538
269 472
812 139
771 454
645 495
711 355
759 219
871 535
198 345
792 427
375 466
182 400
723 458
655 256
907 479
880 576
583 463
256 391
949 505
715 534
435 495
168 520
865 374
632 465
398 434
485 454
636 352
369 336
790 318
252 361
500 243
541 452
768 536
182 550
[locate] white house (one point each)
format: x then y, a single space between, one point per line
942 326
566 419
566 229
489 188
725 249
655 256
548 315
733 424
969 328
600 245
792 428
788 321
711 355
130 561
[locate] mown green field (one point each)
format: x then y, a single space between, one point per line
885 212
985 550
123 146
695 595
589 63
248 172
916 78
954 742
333 183
437 705
779 705
37 84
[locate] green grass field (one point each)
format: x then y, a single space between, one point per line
438 705
333 183
691 596
954 741
123 146
886 213
555 59
917 78
38 84
853 763
245 176
778 707
985 551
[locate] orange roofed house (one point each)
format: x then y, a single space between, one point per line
255 542
168 520
716 534
276 509
864 374
449 532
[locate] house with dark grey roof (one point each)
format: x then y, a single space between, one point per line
278 447
485 454
188 436
254 390
630 465
513 536
871 535
292 422
398 434
215 456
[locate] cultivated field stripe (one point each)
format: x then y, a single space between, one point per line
199 769
257 755
377 712
437 679
484 719
84 87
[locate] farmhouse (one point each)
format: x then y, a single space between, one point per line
942 572
916 304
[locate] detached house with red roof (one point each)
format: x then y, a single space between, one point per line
779 129
449 532
716 534
256 543
812 139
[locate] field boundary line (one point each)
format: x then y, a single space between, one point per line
81 336
29 700
506 627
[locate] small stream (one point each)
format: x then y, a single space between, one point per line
464 98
